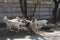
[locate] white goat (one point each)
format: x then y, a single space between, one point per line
38 24
44 22
12 23
11 20
31 25
19 19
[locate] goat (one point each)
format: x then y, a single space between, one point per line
44 22
11 23
31 25
38 24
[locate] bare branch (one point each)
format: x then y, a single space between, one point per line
34 10
25 9
55 1
23 6
58 1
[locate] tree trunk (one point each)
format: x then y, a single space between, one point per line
33 12
34 9
23 6
54 19
25 9
55 13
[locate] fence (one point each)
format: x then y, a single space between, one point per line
12 9
43 10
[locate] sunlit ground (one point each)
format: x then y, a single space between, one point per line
18 39
24 35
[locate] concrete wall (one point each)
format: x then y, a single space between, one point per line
42 11
13 10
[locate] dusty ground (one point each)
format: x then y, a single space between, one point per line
7 35
26 36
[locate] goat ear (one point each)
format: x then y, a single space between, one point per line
47 21
5 16
35 20
32 20
17 17
24 19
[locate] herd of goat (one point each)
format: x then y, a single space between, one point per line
18 23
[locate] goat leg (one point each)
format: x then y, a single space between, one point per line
7 27
11 29
18 29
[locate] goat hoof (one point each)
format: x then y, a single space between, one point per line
16 31
11 30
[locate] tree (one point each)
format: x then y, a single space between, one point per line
23 6
56 3
34 10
